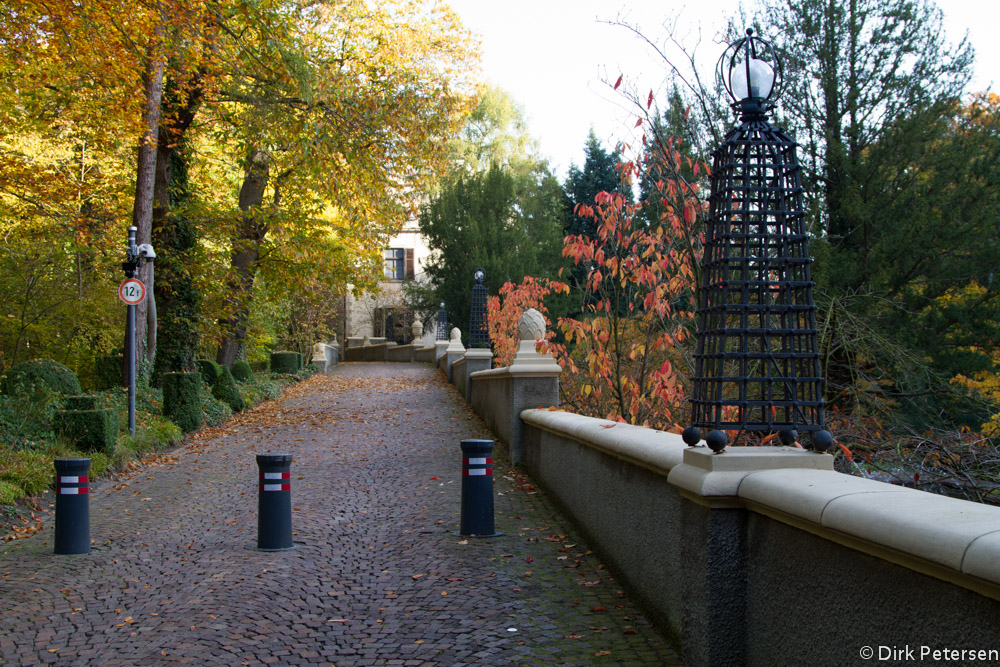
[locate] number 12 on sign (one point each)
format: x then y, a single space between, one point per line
132 291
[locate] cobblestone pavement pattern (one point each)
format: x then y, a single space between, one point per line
378 576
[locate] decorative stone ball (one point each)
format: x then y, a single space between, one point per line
822 441
692 436
531 325
788 436
417 328
456 334
717 441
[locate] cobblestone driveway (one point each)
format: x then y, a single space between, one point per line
378 576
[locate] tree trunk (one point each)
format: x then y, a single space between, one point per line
245 254
142 211
174 239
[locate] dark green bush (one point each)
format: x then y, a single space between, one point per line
259 366
226 390
24 377
182 400
210 370
108 371
214 411
80 403
26 419
89 430
285 362
242 371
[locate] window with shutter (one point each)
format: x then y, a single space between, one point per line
410 269
394 260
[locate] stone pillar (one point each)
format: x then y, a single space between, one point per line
318 354
476 359
714 527
331 353
534 378
455 350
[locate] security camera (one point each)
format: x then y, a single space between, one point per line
146 250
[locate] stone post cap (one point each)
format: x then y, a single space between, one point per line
417 328
527 360
455 344
531 326
366 342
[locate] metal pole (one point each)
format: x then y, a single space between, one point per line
130 338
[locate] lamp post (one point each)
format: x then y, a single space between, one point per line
479 329
757 360
442 324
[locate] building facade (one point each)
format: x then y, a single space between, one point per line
383 314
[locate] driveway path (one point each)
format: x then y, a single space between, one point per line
378 576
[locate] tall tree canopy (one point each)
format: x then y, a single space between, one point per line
284 137
500 208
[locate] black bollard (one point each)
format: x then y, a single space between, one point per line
477 489
274 502
72 506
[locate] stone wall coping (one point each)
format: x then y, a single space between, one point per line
707 475
458 363
656 450
491 373
478 353
903 525
947 538
525 370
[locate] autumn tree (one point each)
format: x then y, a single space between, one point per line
499 208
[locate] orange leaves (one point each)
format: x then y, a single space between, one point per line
618 82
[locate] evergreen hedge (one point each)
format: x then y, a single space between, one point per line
25 376
285 362
90 430
108 371
80 403
182 400
210 370
226 390
242 371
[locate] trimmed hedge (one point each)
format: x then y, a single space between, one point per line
182 400
80 403
108 371
242 371
285 362
226 390
90 430
210 370
25 376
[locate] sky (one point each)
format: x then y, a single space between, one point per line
560 58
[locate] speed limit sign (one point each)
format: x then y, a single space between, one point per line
132 291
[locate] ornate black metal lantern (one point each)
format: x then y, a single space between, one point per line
479 327
757 360
442 324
